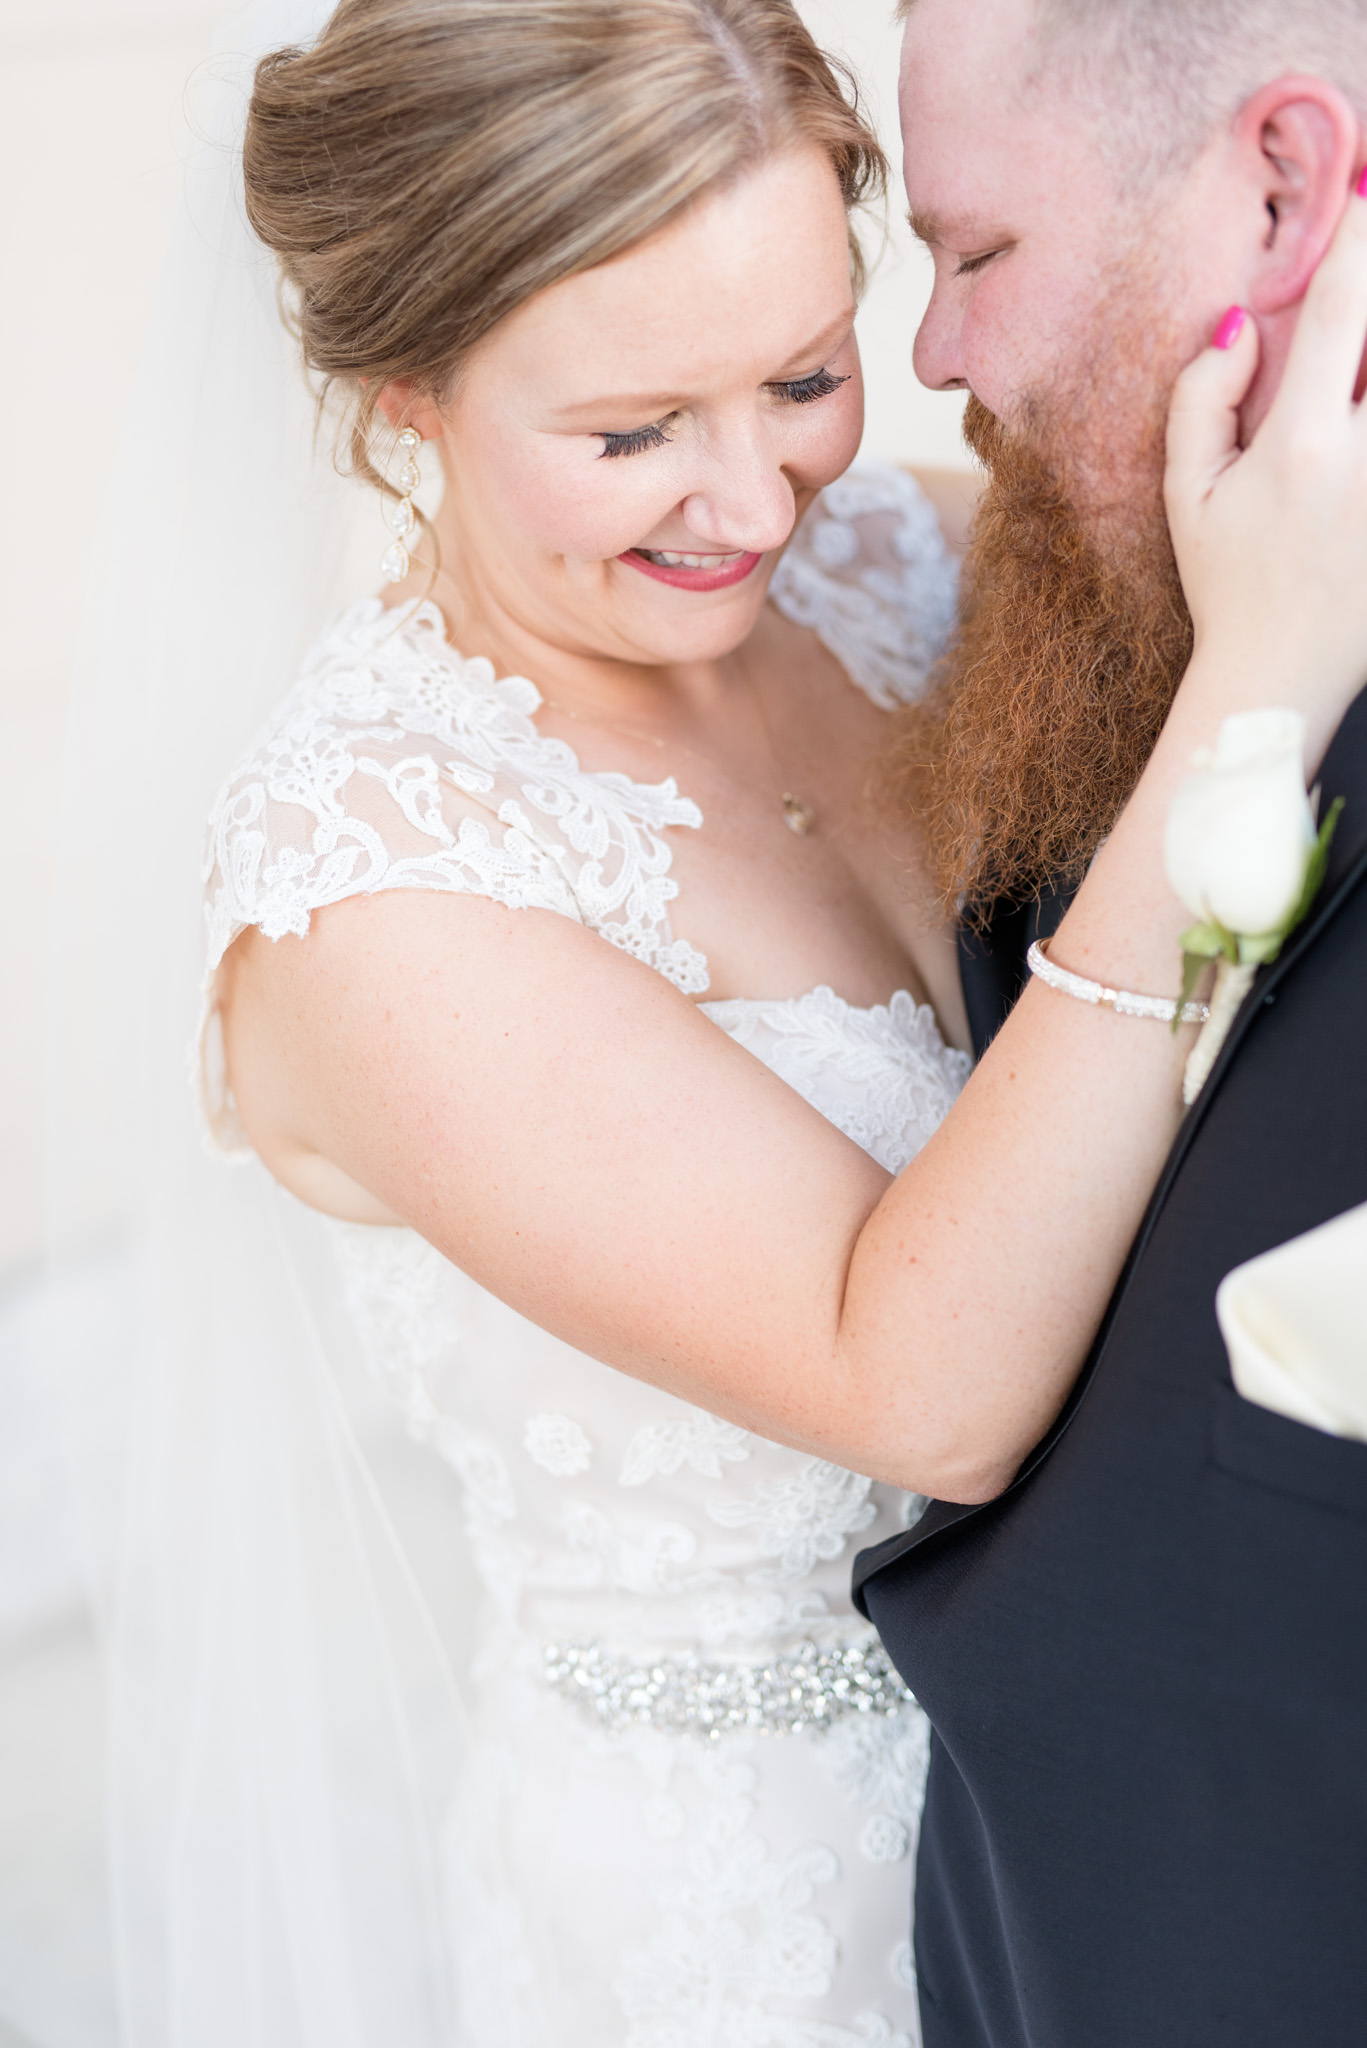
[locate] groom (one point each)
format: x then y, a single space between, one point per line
1146 1662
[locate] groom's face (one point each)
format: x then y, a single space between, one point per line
1051 280
1065 305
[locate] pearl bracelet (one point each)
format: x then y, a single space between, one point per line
1162 1009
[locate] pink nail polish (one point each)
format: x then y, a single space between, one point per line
1229 329
1362 183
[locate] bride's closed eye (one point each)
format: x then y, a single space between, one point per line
637 438
794 390
802 390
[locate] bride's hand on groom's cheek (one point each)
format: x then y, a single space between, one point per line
1271 540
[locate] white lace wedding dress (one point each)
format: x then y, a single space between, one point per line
696 1779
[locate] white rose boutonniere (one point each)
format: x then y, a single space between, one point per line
1242 852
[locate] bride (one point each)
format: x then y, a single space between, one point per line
695 1255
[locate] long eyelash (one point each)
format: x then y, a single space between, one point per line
802 390
968 264
640 437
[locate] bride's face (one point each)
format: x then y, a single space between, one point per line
684 400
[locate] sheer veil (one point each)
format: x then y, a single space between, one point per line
283 1722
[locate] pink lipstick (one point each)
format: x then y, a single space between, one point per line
684 575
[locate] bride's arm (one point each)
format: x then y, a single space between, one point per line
569 1129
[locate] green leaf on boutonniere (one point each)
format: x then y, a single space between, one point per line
1194 966
1316 868
1255 950
1201 943
1206 942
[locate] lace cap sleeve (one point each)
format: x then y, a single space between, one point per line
386 767
869 573
395 763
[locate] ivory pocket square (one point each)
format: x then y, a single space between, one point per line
1294 1323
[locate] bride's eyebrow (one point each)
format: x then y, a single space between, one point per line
655 404
832 332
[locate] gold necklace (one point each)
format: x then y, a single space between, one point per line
798 816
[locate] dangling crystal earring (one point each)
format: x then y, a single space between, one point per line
400 516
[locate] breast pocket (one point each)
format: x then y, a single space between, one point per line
1290 1458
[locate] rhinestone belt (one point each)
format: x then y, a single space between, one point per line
808 1687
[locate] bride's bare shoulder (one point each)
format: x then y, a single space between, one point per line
408 1010
307 1020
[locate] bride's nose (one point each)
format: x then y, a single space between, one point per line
746 502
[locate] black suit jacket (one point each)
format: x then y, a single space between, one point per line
1145 1664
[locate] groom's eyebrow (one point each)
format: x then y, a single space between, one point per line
927 227
960 232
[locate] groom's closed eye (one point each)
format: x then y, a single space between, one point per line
967 265
964 240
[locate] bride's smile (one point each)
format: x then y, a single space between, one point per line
628 453
693 572
625 459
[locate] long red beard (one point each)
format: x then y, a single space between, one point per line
1073 639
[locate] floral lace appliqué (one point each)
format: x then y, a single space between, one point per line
884 1076
808 1514
738 1938
391 764
558 1445
696 1439
403 1298
886 612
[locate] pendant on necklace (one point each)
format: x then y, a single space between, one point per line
797 816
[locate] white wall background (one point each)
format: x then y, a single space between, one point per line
92 133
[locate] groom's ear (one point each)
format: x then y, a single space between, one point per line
1300 140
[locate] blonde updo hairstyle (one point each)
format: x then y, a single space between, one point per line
429 165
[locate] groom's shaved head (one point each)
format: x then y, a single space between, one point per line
1097 181
1155 77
